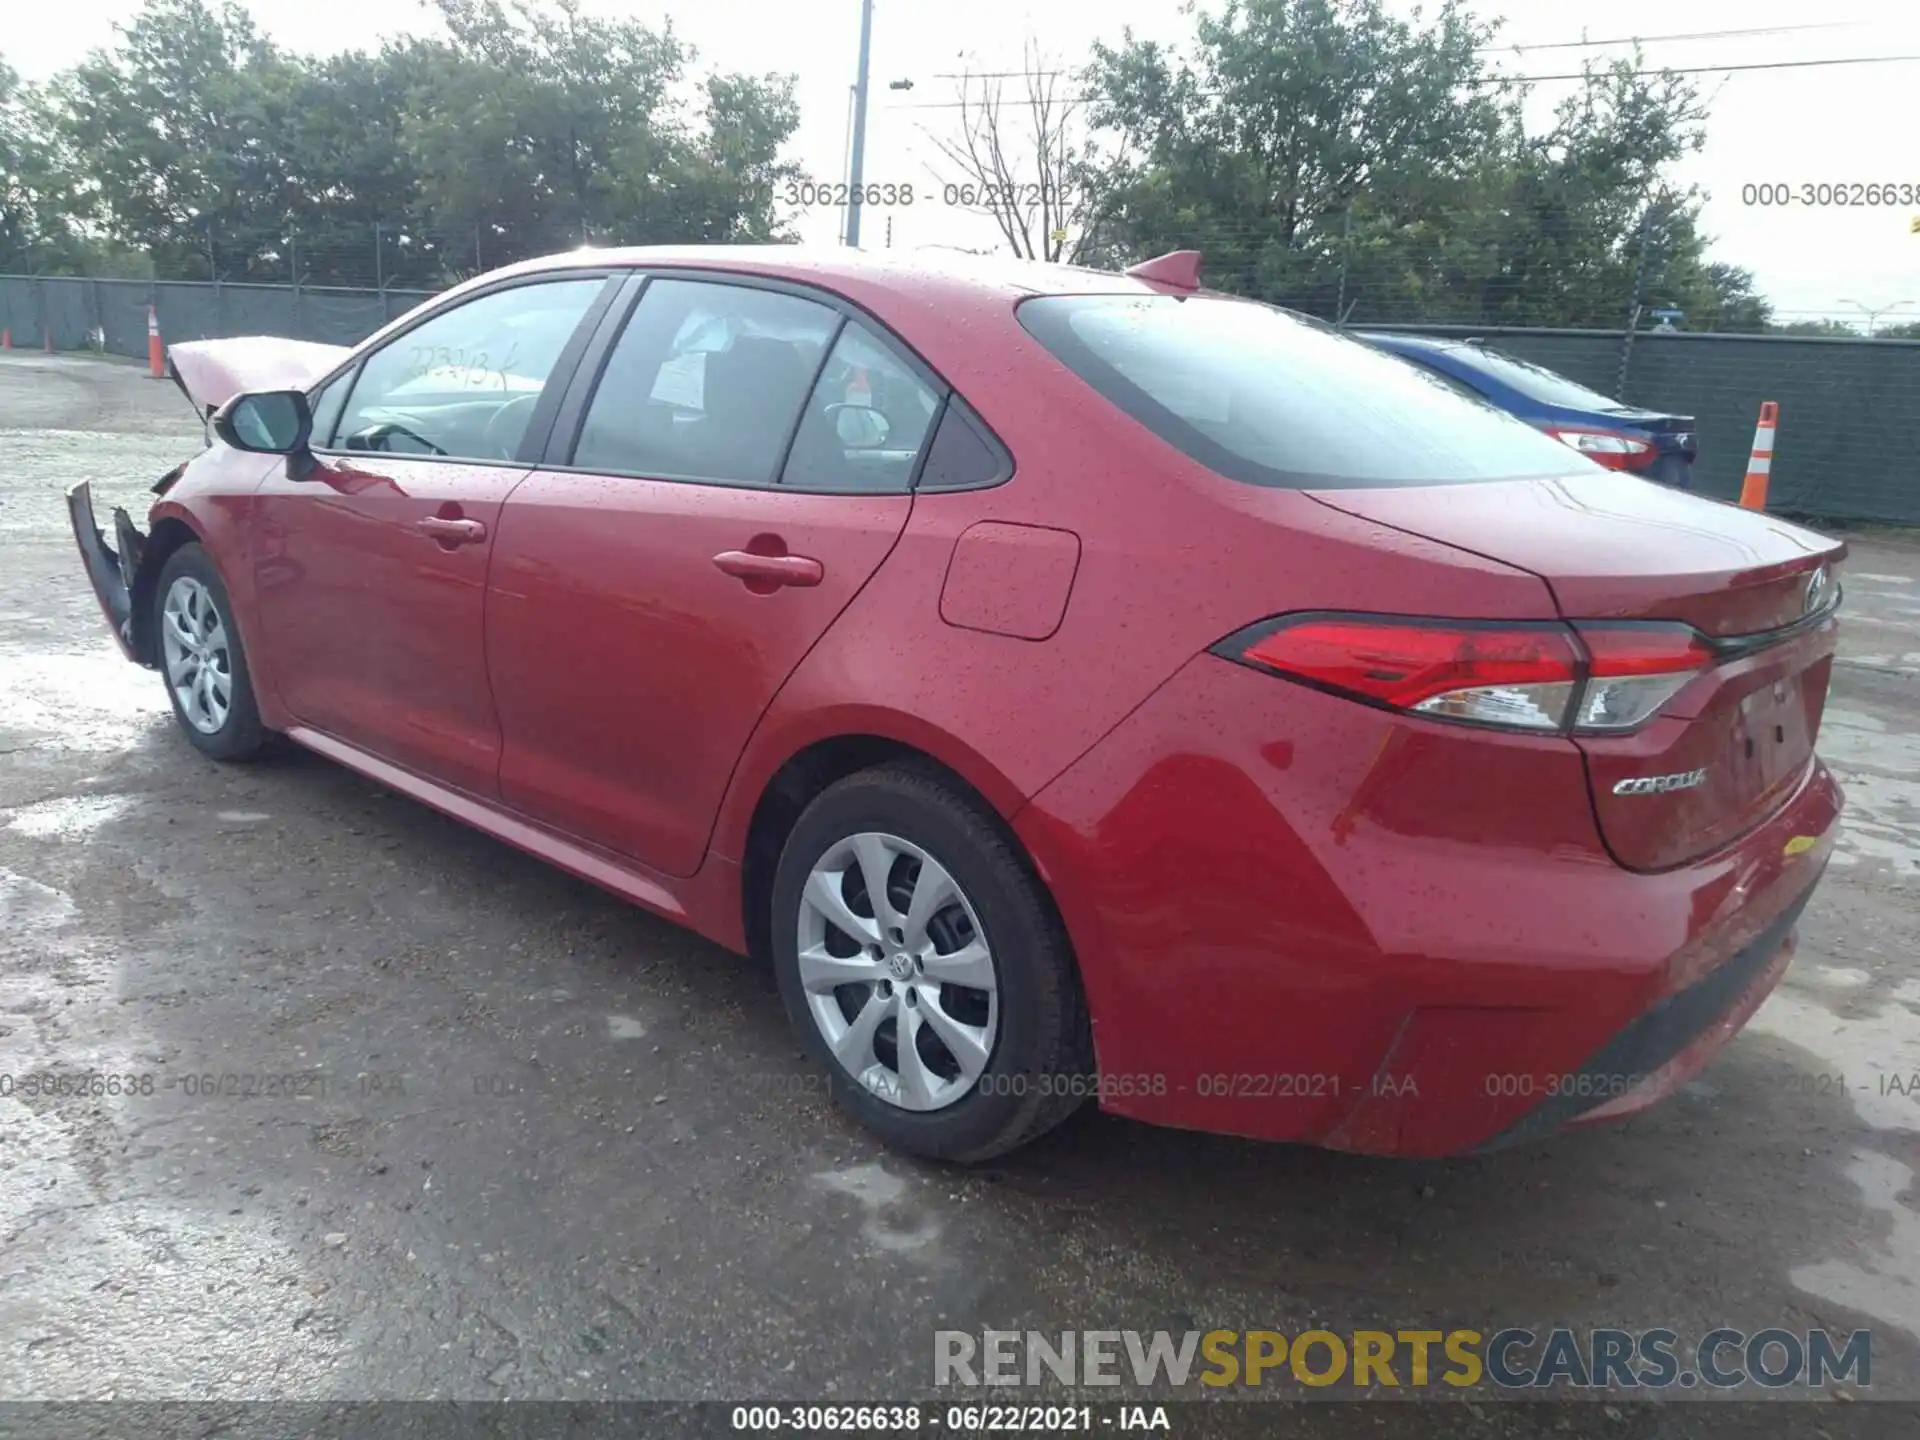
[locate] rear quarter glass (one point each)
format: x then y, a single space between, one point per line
1268 398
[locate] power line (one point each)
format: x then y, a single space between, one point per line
1523 79
1714 69
1493 49
1657 39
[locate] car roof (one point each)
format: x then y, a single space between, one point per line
898 272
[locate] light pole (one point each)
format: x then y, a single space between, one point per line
856 166
1873 315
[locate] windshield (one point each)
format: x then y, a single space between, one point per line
1272 399
1533 381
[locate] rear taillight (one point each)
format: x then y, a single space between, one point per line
1632 670
1541 677
1605 447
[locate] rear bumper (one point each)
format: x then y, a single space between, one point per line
1387 936
109 571
1658 1052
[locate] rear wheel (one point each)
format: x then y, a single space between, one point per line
922 966
202 660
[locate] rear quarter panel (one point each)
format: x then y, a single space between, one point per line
1171 558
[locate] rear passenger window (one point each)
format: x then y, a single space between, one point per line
962 458
865 421
706 383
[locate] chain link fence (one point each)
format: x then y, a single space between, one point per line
1849 422
60 313
1848 445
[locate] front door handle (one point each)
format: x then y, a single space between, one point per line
770 570
452 532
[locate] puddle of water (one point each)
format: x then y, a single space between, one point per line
1881 775
28 907
1877 1053
1903 663
880 1196
68 818
109 1298
1885 1286
86 702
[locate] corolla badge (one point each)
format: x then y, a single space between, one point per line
1660 784
1819 590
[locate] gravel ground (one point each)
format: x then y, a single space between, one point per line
567 1151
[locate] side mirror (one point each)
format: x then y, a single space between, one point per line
859 427
269 422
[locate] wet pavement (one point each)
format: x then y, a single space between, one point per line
491 1133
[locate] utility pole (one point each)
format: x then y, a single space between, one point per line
1873 315
855 175
1637 305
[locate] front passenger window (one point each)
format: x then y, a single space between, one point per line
465 383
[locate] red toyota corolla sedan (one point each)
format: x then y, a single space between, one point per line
1075 684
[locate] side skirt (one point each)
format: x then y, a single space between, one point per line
596 866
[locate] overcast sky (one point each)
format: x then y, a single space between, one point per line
1837 123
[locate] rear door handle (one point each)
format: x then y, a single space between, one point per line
452 532
770 569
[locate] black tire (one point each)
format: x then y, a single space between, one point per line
241 736
1041 1062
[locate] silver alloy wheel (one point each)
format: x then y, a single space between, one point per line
897 971
199 664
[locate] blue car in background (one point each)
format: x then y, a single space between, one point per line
1649 443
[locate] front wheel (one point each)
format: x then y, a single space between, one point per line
202 660
923 967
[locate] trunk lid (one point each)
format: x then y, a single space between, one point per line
1671 434
1729 748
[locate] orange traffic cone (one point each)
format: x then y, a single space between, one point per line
156 354
1753 492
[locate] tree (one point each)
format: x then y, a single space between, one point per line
20 235
42 202
527 127
1829 329
172 131
1022 165
1326 155
1295 123
542 124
